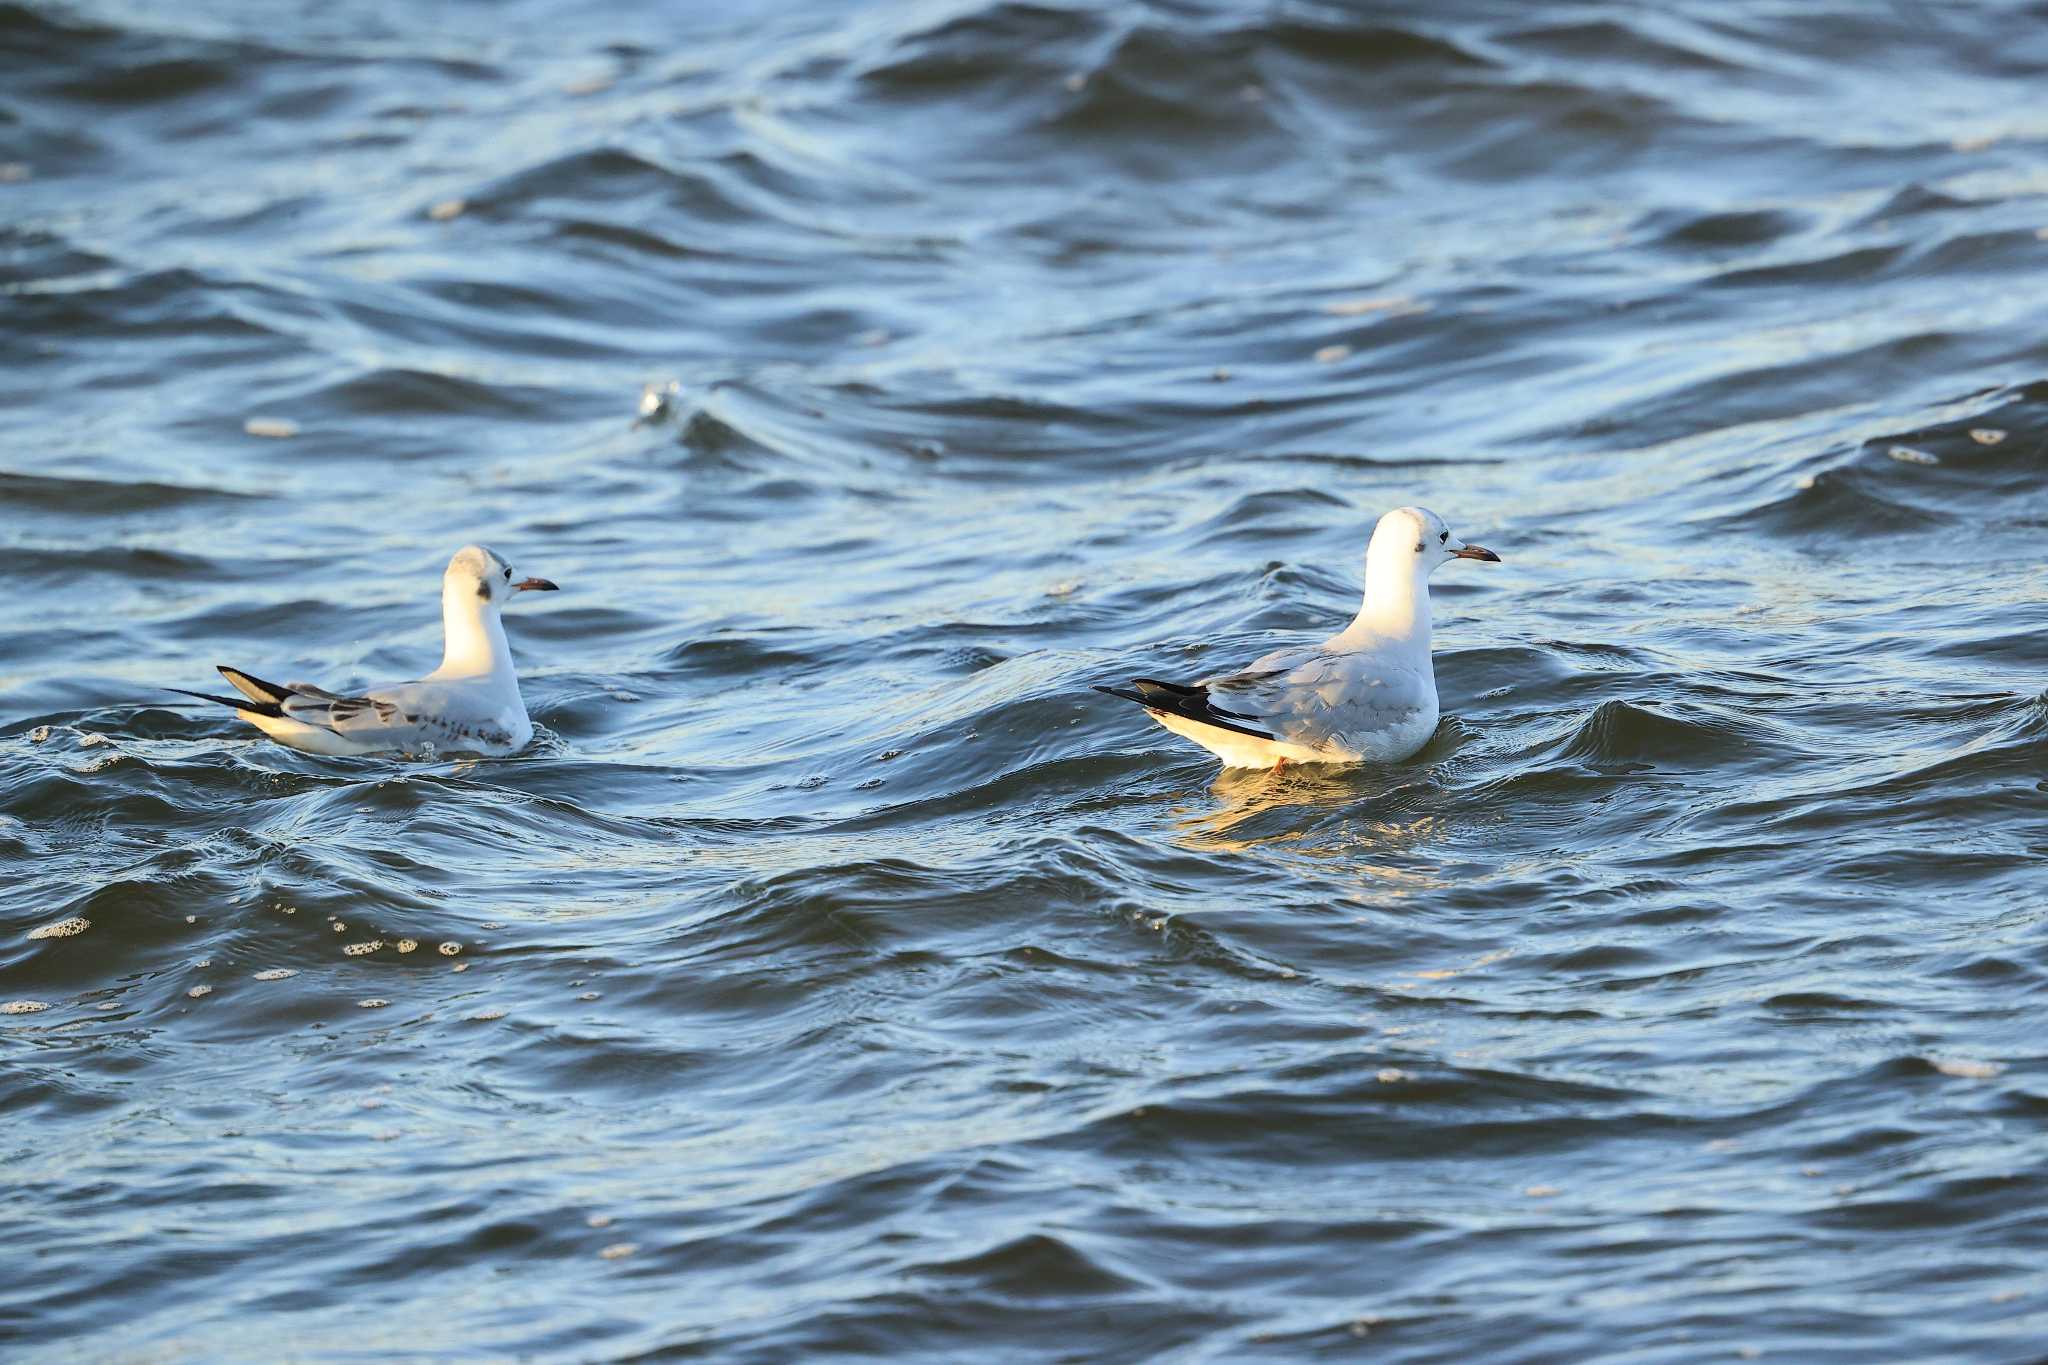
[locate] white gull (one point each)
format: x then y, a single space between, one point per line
470 704
1366 694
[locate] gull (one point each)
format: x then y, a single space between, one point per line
470 704
1366 694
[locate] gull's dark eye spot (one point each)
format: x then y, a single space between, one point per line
1444 538
508 575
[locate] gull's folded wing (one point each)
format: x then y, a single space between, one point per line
302 702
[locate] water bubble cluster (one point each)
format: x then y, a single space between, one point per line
363 949
24 1006
450 949
276 973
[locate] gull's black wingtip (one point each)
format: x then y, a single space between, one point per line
251 686
255 708
1185 701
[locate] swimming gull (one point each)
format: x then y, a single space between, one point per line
1366 694
470 704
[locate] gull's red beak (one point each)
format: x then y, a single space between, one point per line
1475 552
534 585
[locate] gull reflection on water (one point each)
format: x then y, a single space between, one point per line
1372 819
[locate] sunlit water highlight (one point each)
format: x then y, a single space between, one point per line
836 972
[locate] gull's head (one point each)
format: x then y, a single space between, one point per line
1414 540
479 579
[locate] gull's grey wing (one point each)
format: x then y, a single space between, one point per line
1315 697
1258 678
1263 688
449 716
351 716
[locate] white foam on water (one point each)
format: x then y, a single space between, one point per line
1967 1069
63 928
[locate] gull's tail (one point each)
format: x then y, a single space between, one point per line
1189 703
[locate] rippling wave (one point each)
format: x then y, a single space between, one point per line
833 975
